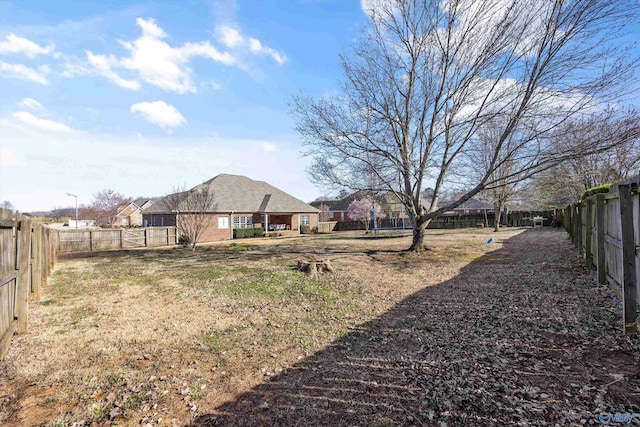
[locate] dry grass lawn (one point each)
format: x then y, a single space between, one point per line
161 336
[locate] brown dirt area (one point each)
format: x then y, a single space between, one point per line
466 333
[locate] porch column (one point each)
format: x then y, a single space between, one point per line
266 223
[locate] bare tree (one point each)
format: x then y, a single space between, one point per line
107 203
564 184
8 205
481 161
429 74
193 211
324 212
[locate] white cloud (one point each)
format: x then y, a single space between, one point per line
230 37
159 113
22 72
154 61
9 158
234 39
268 147
102 66
42 124
15 44
257 48
31 104
376 8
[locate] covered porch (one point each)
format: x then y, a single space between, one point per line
284 223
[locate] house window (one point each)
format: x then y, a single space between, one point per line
304 219
242 222
223 222
330 215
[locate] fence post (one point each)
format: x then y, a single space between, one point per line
121 238
602 261
572 223
629 282
588 235
23 259
578 227
146 241
35 267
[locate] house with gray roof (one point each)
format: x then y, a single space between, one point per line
130 215
234 202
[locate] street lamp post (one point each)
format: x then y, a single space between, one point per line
76 196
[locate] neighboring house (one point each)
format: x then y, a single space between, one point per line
389 203
472 206
238 202
131 214
338 208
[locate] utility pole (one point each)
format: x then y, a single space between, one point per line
76 196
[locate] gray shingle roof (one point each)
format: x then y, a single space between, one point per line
241 194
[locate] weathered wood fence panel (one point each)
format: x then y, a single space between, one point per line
120 238
27 254
606 230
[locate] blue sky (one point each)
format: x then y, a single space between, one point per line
144 97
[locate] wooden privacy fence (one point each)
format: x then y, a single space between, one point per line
515 219
27 253
84 240
606 230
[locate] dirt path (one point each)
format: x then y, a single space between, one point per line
519 337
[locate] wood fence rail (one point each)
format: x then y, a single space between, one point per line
28 253
85 240
606 230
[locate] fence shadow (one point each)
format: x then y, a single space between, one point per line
502 342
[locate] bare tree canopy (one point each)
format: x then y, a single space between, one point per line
565 183
428 75
193 211
107 203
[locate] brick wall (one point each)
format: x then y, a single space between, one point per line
213 233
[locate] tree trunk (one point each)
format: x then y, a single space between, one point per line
497 209
419 233
496 221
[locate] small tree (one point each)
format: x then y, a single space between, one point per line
193 211
8 205
360 210
324 212
107 203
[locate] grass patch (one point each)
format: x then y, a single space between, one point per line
237 247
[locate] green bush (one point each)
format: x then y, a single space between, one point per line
240 233
596 190
184 240
305 229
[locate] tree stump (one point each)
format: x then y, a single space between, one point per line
314 267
